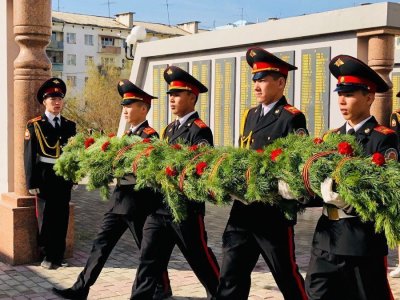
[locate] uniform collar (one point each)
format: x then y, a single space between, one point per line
186 117
133 129
358 126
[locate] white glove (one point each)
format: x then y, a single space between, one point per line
329 196
34 191
284 190
235 197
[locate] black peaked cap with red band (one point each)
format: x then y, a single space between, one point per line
263 62
353 74
180 80
131 93
53 87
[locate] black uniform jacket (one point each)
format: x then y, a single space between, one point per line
42 139
193 132
280 121
350 236
395 121
125 200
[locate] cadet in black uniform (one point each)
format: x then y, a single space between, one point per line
160 232
259 228
44 138
348 259
128 208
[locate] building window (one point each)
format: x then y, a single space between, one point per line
56 57
88 60
71 38
89 39
71 81
71 59
105 61
107 41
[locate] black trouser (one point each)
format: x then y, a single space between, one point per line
111 230
242 246
52 211
160 234
342 277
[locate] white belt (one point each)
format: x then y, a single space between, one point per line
334 213
47 160
127 180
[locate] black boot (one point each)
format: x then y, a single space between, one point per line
70 293
162 293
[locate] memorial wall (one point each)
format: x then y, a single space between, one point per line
229 81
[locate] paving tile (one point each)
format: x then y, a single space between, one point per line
33 282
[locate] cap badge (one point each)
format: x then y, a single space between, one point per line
339 63
169 72
253 53
121 83
341 79
56 81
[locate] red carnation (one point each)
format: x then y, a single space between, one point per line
345 148
88 142
146 141
193 148
170 171
318 141
111 135
378 159
275 153
200 168
176 147
261 151
104 147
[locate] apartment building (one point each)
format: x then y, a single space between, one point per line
78 40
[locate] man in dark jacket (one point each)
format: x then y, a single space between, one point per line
348 258
260 228
160 232
128 208
44 138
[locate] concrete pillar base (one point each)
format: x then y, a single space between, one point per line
18 230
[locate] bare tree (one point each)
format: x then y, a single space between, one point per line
98 105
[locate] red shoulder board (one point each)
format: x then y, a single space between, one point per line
149 131
35 119
200 123
293 110
384 130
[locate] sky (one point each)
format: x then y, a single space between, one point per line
210 13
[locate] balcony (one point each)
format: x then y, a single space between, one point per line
110 49
56 45
57 67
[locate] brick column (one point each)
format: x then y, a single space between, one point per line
381 59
